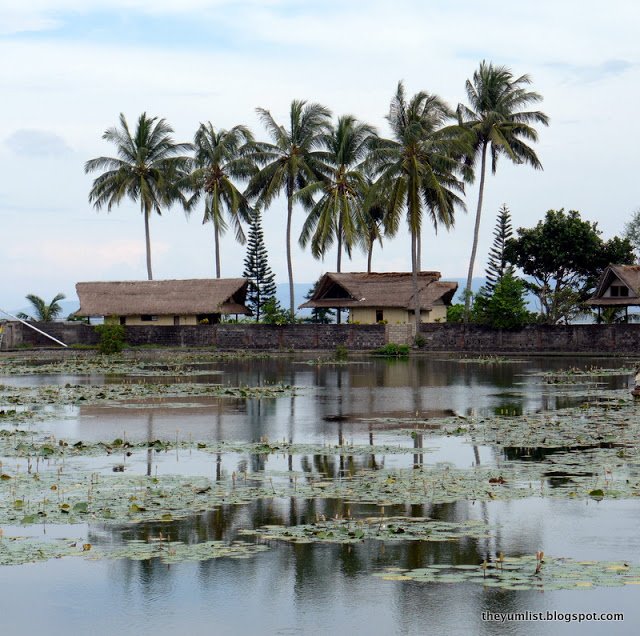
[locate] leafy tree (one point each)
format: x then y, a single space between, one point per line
497 266
505 306
632 232
564 257
500 123
43 311
342 188
289 164
418 168
220 157
274 314
372 222
150 168
319 315
262 284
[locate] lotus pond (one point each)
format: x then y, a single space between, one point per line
287 495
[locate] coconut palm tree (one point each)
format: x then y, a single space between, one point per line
419 168
150 168
335 217
43 312
499 125
373 222
290 163
220 156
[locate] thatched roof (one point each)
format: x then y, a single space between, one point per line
629 275
391 289
163 297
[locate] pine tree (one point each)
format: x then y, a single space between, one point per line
262 286
497 266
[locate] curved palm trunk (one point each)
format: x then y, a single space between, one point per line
147 240
338 266
217 248
414 279
476 232
289 264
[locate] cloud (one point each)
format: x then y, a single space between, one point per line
37 143
587 73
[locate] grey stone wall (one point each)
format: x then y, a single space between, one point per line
437 337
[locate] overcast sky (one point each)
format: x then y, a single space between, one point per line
69 67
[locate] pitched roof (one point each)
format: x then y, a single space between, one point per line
163 297
627 274
387 289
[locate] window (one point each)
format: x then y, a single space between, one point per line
617 291
148 318
379 315
123 320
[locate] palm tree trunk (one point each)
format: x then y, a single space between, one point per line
289 264
414 278
369 258
217 249
338 266
476 232
419 251
147 242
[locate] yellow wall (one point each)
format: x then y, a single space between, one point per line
135 321
395 315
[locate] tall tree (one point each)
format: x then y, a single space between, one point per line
150 168
372 222
419 168
564 256
289 164
497 266
43 311
220 157
632 231
499 126
342 188
262 284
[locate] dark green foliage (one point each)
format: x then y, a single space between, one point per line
319 315
274 314
497 265
455 313
392 350
505 307
262 284
564 257
111 338
342 353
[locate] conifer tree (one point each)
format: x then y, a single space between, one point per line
497 266
262 286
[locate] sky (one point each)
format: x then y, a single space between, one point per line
70 67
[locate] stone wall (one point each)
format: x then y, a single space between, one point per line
437 337
533 339
225 336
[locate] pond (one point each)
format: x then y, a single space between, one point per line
284 495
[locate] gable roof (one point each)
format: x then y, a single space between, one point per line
163 297
387 289
628 275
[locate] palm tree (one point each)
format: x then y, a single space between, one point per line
149 168
343 186
497 122
373 222
44 312
290 163
219 158
418 168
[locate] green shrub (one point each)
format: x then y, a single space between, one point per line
111 338
392 350
419 341
342 353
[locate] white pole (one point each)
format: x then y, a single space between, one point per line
24 322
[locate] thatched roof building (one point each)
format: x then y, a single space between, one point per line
163 301
389 297
619 286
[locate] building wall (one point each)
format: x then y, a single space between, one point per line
162 321
396 315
